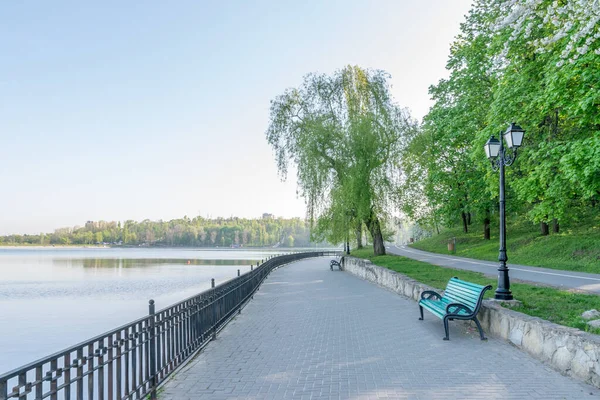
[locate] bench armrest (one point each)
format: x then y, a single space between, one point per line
453 308
428 294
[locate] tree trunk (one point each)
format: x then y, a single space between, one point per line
544 229
359 244
435 222
465 223
555 226
375 229
486 228
468 218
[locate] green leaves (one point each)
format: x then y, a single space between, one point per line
497 78
345 136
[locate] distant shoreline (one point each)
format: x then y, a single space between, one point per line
38 246
80 246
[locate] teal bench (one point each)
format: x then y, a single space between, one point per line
461 300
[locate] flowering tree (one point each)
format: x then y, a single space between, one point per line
571 25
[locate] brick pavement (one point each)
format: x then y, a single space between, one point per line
311 333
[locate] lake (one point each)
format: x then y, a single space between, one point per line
53 298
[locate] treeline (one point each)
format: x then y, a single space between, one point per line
536 63
196 232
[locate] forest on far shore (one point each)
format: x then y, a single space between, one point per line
196 232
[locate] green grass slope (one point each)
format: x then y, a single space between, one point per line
574 248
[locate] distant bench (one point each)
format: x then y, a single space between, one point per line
461 300
335 263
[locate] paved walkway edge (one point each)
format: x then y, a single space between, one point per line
186 363
570 351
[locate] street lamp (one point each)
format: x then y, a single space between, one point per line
350 214
495 151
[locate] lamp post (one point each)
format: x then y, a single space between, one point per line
496 153
350 213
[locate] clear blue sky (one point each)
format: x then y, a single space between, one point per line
157 109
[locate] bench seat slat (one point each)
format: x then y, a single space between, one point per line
439 307
462 293
461 299
467 289
465 283
468 301
467 295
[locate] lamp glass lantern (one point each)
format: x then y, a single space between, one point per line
492 148
514 136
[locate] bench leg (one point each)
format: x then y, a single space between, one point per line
421 309
446 329
480 330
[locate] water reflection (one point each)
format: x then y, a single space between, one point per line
143 262
53 298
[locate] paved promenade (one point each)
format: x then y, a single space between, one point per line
311 333
561 279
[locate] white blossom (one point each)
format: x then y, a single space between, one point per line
577 20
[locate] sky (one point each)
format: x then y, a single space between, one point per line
119 110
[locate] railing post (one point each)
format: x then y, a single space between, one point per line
3 390
212 282
151 318
251 267
214 313
238 272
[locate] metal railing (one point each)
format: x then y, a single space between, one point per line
130 362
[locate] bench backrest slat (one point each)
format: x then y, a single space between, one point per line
467 293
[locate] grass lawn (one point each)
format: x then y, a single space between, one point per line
558 306
576 248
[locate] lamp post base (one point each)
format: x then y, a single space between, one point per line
503 295
503 289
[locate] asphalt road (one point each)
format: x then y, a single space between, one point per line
561 279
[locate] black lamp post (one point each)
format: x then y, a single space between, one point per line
350 213
496 153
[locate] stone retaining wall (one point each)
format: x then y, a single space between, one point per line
570 351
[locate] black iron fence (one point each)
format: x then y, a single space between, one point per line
131 361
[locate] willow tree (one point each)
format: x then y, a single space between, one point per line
345 135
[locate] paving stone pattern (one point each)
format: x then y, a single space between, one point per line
312 333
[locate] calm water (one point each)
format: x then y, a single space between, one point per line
51 299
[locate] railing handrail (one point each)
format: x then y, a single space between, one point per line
189 312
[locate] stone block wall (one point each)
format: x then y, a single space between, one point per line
570 351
